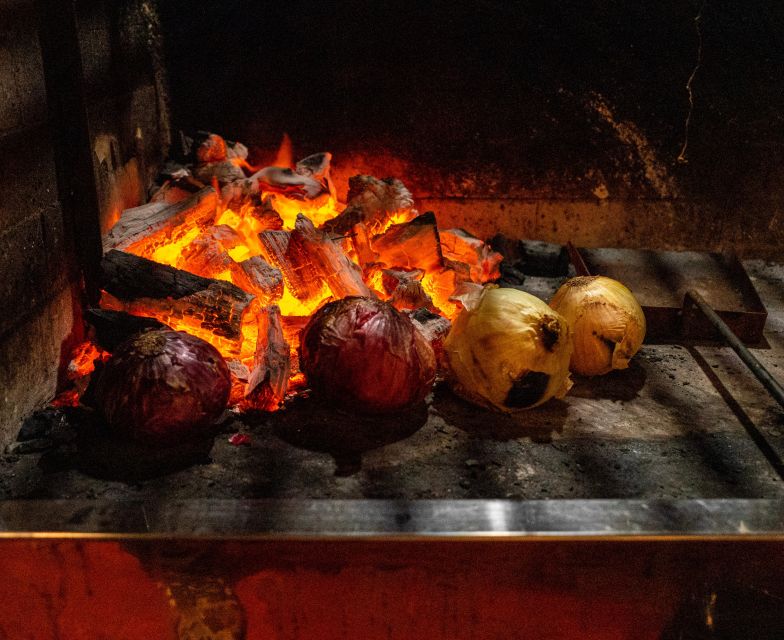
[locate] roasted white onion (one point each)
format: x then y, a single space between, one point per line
508 350
607 323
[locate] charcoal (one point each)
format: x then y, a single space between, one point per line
112 328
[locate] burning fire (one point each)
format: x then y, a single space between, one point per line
288 217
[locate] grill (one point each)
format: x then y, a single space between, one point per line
646 501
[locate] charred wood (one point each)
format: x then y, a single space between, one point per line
328 261
435 328
156 223
269 379
412 245
112 328
224 172
375 203
461 246
180 299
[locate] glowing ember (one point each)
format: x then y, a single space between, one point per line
258 221
83 360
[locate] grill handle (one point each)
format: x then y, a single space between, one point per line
755 366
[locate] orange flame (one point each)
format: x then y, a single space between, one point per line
248 221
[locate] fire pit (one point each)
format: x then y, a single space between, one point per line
468 146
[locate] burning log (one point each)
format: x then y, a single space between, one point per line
212 309
112 328
142 228
256 276
211 149
391 279
288 183
208 256
328 260
224 172
269 379
461 246
309 258
412 245
363 249
295 271
435 328
410 294
374 202
177 189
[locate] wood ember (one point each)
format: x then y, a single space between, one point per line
461 246
236 150
361 243
208 256
295 268
112 328
264 215
278 180
375 203
269 378
328 260
180 299
211 149
532 257
435 328
205 256
227 237
224 172
315 166
412 245
410 294
240 374
206 147
158 223
289 183
258 277
177 189
308 258
392 278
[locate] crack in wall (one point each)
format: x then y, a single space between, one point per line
682 156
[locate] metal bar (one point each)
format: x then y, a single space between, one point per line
755 366
384 519
577 260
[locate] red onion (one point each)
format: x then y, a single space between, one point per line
163 385
364 355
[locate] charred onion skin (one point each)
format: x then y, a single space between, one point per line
508 351
363 355
162 386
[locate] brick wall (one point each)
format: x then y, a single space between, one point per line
36 253
83 126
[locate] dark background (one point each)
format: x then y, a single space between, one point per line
489 88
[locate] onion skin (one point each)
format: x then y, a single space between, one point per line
508 351
363 355
607 322
161 386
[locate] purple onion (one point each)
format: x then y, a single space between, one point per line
364 355
162 386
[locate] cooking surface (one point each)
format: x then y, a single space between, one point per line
660 429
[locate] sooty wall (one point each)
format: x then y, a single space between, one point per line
569 116
83 125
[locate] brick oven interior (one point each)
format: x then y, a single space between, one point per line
647 127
